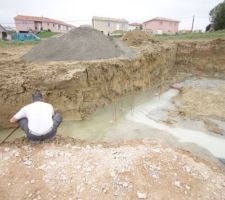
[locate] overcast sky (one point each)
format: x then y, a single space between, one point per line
81 11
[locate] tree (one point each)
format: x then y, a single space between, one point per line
217 16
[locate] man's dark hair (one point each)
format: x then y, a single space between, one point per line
37 96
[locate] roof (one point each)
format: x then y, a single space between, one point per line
2 29
135 24
162 19
43 19
109 19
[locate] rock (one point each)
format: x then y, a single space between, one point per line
78 166
52 163
155 176
125 184
32 181
218 186
141 195
187 168
6 149
157 150
28 162
16 154
88 169
187 187
177 184
116 193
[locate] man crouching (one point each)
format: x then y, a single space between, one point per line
38 119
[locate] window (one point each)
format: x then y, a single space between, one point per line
161 23
108 24
48 24
53 25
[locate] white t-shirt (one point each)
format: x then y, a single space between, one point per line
39 115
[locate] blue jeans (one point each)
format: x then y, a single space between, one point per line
57 119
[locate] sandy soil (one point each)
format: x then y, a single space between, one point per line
202 104
136 170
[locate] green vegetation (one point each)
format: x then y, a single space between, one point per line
7 44
193 36
46 34
217 15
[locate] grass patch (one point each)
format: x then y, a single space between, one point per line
46 34
8 44
193 36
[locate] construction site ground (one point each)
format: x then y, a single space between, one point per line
71 169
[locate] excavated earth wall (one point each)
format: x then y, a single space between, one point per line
77 89
202 57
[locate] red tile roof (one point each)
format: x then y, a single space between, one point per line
42 19
162 19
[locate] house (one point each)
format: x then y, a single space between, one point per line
3 34
109 25
35 24
134 26
6 33
161 25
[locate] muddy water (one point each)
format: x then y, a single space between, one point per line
141 115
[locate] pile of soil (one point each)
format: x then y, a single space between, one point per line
138 37
79 44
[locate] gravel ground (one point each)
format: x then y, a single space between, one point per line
136 170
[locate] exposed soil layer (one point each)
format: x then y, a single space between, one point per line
135 170
202 103
77 44
77 88
138 37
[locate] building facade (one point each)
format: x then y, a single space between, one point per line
31 23
3 34
160 25
109 25
134 26
6 33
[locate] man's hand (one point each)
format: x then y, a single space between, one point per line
13 120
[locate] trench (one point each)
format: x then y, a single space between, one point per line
143 115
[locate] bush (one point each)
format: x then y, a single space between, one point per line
217 16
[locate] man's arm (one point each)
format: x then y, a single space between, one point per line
13 120
19 115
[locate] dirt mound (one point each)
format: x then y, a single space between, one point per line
78 44
137 37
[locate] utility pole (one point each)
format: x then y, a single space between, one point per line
192 26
